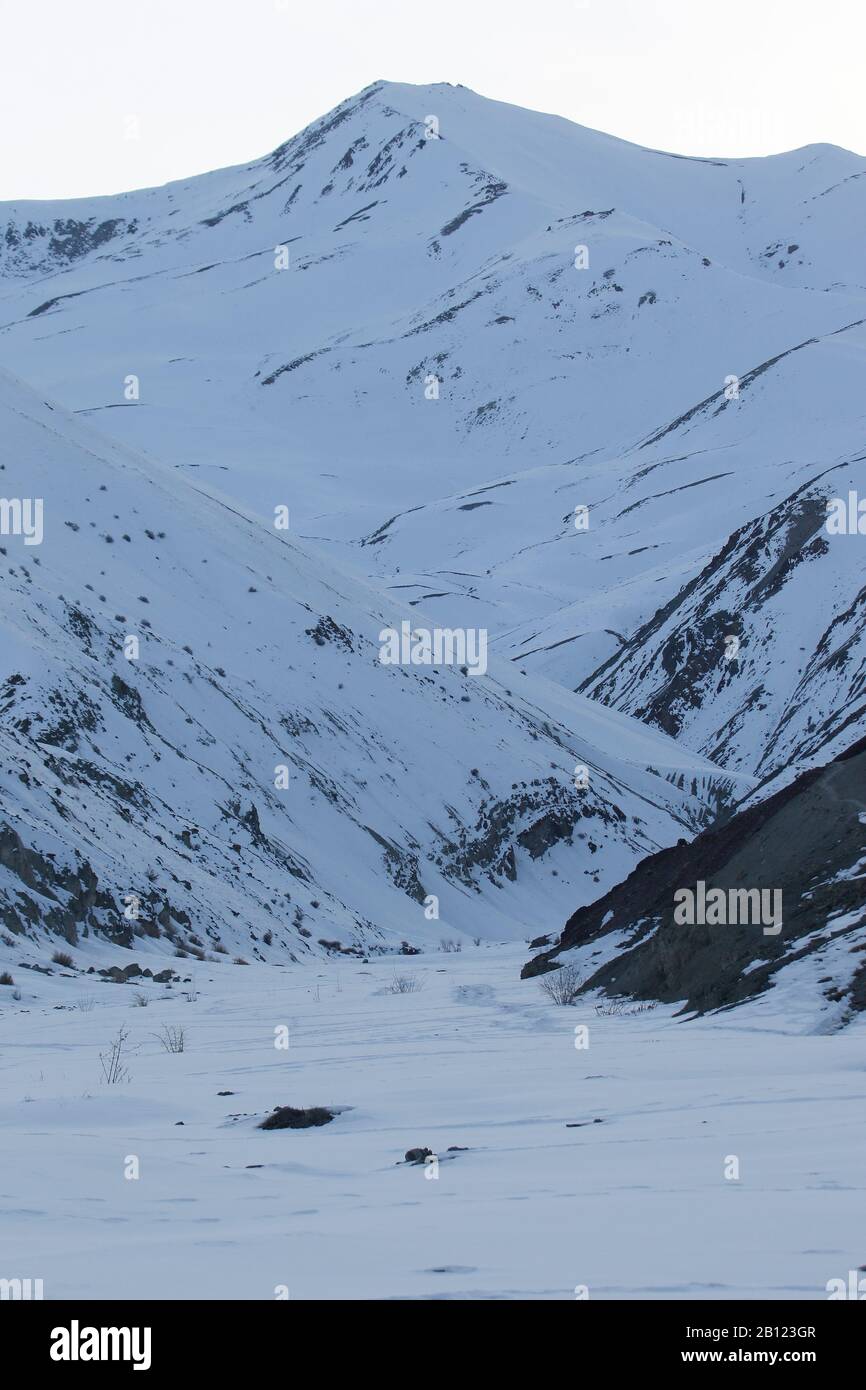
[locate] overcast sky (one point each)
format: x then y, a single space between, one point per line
99 96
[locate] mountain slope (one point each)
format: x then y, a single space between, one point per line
789 596
194 716
436 388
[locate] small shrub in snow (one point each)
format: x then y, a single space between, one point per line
6 978
140 1000
86 1004
450 947
561 986
404 984
114 1069
612 1008
173 1039
619 1008
63 958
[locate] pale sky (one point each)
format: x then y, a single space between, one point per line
100 96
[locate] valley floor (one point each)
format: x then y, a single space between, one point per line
637 1206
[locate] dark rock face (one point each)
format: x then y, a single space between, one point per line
58 244
287 1117
537 816
67 900
76 898
804 841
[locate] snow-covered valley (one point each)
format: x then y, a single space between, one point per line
637 1206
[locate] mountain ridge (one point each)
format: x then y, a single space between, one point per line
396 338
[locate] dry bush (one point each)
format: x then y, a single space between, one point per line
114 1069
404 984
172 1038
561 986
620 1008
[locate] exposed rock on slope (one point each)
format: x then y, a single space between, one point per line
788 596
808 840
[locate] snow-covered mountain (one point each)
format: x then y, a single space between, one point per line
435 363
201 744
438 327
759 661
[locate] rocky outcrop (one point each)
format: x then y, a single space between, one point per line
808 842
